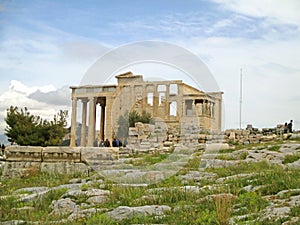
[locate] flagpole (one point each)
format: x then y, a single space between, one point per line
241 96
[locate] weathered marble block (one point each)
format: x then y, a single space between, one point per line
96 154
64 168
24 153
61 154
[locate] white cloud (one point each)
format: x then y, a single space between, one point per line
277 11
17 86
59 97
22 96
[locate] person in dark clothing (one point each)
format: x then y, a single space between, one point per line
114 143
106 143
2 148
101 143
117 142
290 127
285 128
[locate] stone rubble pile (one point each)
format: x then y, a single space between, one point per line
151 138
254 135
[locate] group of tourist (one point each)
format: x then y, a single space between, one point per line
288 127
116 143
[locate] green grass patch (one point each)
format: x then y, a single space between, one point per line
270 178
40 211
192 164
291 158
295 211
249 202
225 151
41 179
124 196
242 167
274 148
150 159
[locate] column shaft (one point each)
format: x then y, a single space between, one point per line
102 122
108 119
92 111
73 122
83 126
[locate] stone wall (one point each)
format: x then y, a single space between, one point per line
22 161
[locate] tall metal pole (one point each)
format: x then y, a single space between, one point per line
241 96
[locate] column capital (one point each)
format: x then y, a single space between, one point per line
84 100
92 98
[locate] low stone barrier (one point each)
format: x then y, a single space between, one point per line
23 154
93 155
25 160
61 154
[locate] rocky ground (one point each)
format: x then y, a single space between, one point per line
253 184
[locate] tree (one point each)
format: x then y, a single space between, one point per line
26 129
134 117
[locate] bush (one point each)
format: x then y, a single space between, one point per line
135 117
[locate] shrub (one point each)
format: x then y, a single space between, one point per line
135 117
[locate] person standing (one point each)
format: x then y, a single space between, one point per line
3 148
285 128
290 127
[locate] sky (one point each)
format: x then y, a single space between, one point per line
46 46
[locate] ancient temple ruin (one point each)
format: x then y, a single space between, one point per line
171 101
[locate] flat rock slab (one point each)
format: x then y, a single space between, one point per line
215 147
63 207
125 212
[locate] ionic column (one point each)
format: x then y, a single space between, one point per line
83 126
102 122
92 119
73 122
108 119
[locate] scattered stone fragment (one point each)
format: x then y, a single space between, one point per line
63 206
125 212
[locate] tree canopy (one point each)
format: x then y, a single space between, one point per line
24 128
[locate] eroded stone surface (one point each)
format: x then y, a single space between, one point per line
63 206
125 212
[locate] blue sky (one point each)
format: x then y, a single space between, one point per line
49 45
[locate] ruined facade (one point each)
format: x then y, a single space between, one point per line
172 101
